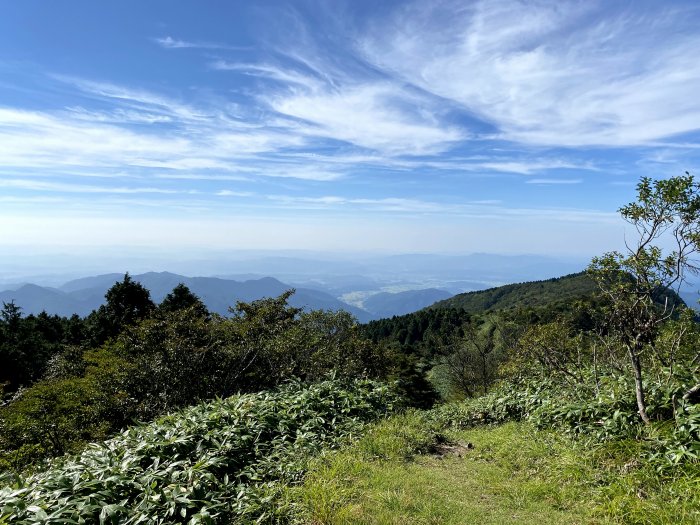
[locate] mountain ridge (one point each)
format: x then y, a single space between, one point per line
546 292
81 296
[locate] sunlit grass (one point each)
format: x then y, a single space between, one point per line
397 474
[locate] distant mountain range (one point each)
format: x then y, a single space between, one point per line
474 271
327 271
81 296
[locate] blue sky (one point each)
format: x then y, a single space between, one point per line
494 126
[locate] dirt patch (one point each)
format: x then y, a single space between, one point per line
452 449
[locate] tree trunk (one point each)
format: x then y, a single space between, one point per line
638 385
693 394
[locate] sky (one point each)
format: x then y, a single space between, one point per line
359 126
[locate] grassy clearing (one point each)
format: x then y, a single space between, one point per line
406 471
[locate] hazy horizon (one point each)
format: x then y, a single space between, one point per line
55 268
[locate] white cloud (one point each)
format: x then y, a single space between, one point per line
149 131
552 73
169 42
285 76
554 181
487 209
61 187
200 176
324 97
524 167
118 116
380 205
189 138
377 116
34 139
140 99
230 193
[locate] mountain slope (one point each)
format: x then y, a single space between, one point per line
529 294
388 304
33 299
550 292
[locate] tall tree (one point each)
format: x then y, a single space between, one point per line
666 213
12 358
128 301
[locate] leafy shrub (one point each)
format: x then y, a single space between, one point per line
611 415
58 416
176 358
216 462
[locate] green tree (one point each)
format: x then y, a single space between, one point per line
253 339
181 298
59 415
127 302
321 341
178 358
470 366
558 351
666 213
12 358
26 345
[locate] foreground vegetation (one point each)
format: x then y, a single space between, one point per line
216 462
403 471
160 359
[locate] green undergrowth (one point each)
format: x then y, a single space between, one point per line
416 468
226 461
670 442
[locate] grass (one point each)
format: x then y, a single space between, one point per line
406 470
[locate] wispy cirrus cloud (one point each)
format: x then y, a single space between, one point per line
476 209
458 115
263 168
231 193
379 117
353 105
149 130
532 166
285 76
388 204
169 42
138 99
556 74
554 181
36 185
141 130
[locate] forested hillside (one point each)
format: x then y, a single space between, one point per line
550 293
524 295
